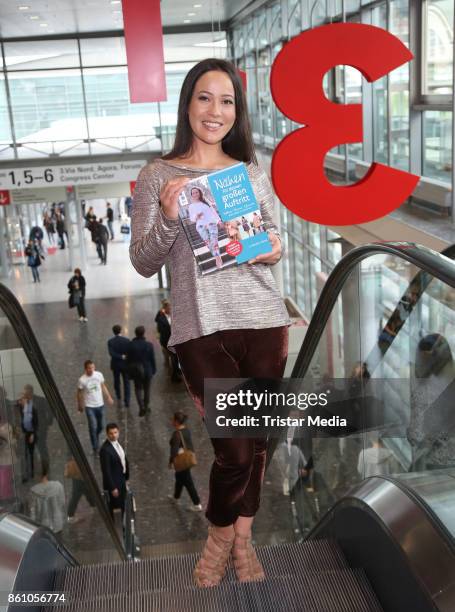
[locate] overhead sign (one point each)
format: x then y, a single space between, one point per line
102 191
74 174
31 196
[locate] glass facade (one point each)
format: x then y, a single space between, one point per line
71 97
389 109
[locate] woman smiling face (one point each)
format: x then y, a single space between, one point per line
211 112
195 194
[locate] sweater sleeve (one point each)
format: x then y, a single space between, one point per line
152 233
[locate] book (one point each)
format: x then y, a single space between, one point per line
222 219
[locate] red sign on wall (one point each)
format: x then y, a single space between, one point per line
297 88
132 186
5 198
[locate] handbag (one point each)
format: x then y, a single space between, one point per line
72 470
186 458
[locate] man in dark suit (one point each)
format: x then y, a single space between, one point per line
114 468
141 368
163 323
118 349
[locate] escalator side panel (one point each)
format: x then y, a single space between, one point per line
407 557
30 556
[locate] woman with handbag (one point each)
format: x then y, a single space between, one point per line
182 459
76 286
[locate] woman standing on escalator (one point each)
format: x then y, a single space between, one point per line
230 324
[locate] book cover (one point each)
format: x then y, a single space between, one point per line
222 219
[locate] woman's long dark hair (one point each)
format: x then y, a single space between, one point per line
238 142
201 195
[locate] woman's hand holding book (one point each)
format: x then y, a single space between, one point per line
169 196
275 254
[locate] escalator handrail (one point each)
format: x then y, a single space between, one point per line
436 264
420 501
22 328
439 265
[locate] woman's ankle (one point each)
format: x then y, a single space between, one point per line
226 533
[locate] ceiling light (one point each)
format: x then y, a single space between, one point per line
197 5
43 25
115 1
191 14
187 21
34 17
23 8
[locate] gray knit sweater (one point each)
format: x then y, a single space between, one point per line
239 297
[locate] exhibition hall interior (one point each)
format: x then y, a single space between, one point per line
357 511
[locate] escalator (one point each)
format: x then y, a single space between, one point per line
369 537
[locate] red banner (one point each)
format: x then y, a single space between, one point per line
144 50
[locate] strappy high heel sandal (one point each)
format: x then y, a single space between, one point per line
247 566
214 557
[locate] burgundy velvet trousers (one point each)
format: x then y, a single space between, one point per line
238 469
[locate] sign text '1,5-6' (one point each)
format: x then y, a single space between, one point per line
28 178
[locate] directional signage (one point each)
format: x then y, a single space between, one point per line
74 174
5 198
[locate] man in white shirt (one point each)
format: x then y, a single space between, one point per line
115 468
90 391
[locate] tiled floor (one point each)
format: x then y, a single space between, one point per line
66 343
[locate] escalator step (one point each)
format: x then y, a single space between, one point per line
337 591
159 573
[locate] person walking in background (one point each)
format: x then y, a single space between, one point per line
76 286
33 259
61 229
45 419
49 227
79 488
36 236
141 368
118 349
181 440
114 468
163 323
110 220
90 392
90 216
48 506
29 424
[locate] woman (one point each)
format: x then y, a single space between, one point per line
214 333
49 226
207 221
246 226
181 439
232 230
76 286
33 259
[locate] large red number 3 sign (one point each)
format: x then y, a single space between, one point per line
298 162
